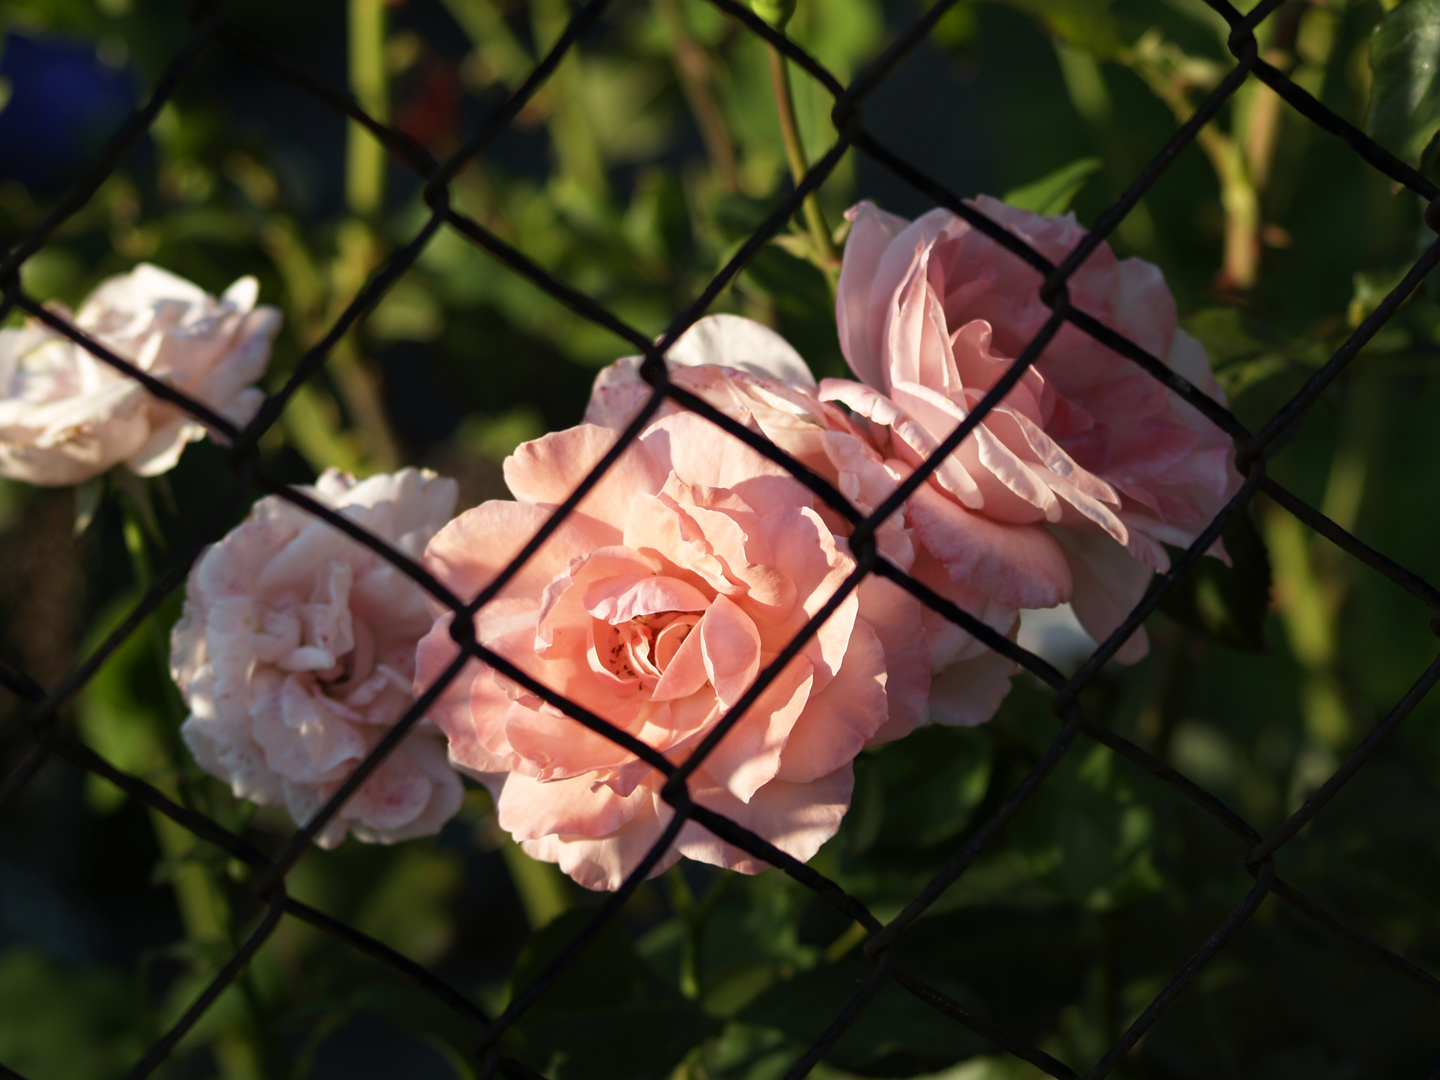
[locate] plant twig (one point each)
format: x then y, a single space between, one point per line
1170 75
683 900
790 131
364 194
365 157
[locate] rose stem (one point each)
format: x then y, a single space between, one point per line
795 151
365 165
695 914
1238 195
682 899
365 157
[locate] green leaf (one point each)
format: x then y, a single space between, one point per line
1225 336
747 1052
1054 193
607 1017
776 12
1086 24
1371 289
1085 838
1227 603
657 222
919 792
896 1035
751 937
957 28
496 437
1405 60
1243 360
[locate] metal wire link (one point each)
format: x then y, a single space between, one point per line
1253 851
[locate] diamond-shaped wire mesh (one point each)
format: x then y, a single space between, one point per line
1256 852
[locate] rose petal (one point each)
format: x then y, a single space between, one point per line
546 471
730 648
474 548
839 720
796 818
969 692
739 343
871 230
750 753
1108 585
1018 565
529 809
620 599
606 862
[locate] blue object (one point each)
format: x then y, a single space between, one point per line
64 102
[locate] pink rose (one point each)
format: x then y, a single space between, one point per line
296 652
66 416
754 376
1068 489
686 570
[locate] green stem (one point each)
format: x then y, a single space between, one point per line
365 157
357 381
365 195
854 935
688 911
1309 604
1242 209
1238 194
795 151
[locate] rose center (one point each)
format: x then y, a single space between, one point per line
352 668
641 649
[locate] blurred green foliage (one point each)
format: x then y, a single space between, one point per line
641 167
1405 56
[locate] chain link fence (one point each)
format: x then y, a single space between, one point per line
1256 852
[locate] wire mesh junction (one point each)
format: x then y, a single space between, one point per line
269 885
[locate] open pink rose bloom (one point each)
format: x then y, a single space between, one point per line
1068 490
66 416
683 573
296 652
750 373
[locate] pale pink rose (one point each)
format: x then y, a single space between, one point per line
688 568
1068 490
296 652
66 416
754 376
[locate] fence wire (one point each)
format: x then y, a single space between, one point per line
1256 852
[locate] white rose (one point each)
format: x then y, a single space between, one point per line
296 652
66 416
